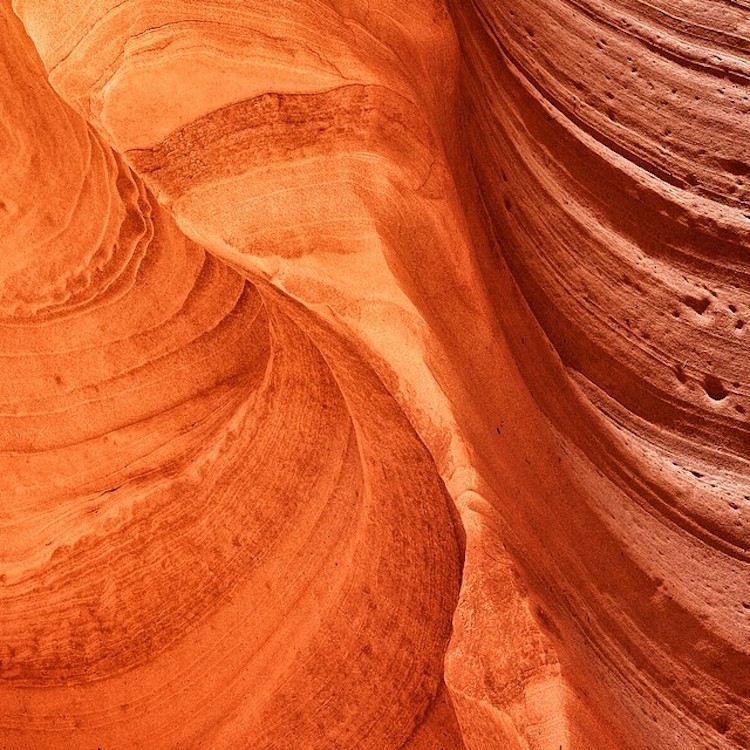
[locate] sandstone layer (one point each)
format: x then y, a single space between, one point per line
376 376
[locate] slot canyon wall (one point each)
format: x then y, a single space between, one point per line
375 374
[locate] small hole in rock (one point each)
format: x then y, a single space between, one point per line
714 388
722 724
699 305
735 166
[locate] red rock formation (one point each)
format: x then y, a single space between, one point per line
292 282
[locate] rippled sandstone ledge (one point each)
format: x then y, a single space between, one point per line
376 376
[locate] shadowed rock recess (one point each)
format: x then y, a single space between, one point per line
374 374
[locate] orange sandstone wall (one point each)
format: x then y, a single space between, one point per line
376 374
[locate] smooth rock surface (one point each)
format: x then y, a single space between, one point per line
376 374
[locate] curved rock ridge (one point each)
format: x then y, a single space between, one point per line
312 265
218 528
607 143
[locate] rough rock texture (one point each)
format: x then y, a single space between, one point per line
376 374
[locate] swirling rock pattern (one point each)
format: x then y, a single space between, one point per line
376 375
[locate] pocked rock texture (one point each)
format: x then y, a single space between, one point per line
376 375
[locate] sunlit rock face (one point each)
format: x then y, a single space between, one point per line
376 374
